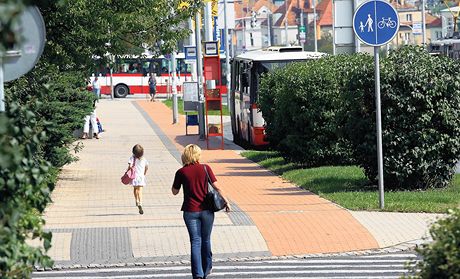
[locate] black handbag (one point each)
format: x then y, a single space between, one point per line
213 199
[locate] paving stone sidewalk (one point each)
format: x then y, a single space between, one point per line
94 220
291 220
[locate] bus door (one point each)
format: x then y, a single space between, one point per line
246 99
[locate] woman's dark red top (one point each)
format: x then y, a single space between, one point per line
193 178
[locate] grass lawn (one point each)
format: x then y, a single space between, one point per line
346 186
168 102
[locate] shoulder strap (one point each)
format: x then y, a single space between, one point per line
208 180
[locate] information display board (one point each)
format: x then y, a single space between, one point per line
190 96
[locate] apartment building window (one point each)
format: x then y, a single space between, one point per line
409 17
252 39
438 34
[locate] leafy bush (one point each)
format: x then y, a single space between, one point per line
26 181
60 102
420 119
441 258
300 104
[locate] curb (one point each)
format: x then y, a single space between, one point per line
402 247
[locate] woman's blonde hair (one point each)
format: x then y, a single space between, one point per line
191 154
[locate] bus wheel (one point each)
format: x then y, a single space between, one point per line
121 91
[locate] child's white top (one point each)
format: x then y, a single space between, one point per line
140 170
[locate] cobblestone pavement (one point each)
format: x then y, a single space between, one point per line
94 220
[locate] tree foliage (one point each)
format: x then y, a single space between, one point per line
79 30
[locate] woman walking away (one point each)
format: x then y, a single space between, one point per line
140 165
197 216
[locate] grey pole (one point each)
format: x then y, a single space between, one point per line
314 25
357 42
423 24
174 89
301 24
269 29
227 53
199 70
208 21
192 43
286 22
2 88
379 126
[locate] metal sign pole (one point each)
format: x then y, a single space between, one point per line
376 23
314 26
2 88
378 112
199 69
227 53
174 89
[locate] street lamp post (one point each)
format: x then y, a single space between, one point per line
286 22
423 23
314 25
227 53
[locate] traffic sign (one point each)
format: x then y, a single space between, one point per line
302 34
190 52
417 28
211 48
375 22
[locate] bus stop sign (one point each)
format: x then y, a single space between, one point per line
375 22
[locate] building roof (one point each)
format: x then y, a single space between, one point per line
433 21
324 8
263 55
294 8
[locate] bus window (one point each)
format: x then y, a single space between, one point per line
183 67
223 70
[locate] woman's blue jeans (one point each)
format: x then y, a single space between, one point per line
199 226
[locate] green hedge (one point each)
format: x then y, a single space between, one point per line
420 97
26 181
300 104
441 258
36 139
323 113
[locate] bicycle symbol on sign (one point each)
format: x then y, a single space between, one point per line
386 22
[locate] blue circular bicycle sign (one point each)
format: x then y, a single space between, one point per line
375 22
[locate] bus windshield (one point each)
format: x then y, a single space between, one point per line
267 66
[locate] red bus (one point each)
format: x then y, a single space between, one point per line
130 75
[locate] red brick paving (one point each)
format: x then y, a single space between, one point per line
291 220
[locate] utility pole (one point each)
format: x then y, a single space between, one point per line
423 24
199 69
192 42
227 54
314 25
174 89
2 88
301 39
286 22
357 42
